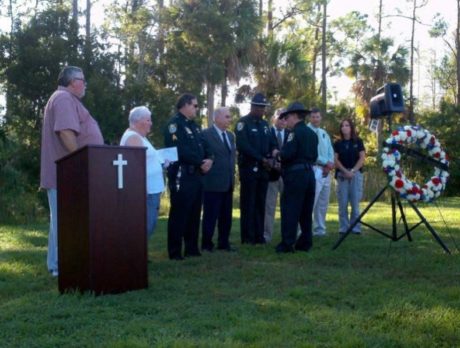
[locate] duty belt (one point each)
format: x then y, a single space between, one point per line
299 166
190 169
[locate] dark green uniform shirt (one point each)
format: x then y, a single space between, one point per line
254 141
186 135
301 146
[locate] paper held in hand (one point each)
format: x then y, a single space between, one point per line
168 154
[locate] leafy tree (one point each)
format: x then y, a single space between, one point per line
445 123
35 53
282 70
374 61
448 71
208 42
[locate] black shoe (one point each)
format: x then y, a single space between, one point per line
228 248
305 248
209 250
177 258
196 253
282 248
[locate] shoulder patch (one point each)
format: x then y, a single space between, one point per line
290 137
239 126
172 128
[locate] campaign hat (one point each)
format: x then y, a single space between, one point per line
295 107
259 100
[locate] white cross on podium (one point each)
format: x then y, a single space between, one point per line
119 162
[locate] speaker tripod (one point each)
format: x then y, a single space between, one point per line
395 203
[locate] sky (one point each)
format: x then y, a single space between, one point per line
400 29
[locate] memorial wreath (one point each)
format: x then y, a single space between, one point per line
391 157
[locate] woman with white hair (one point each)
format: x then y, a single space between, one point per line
140 123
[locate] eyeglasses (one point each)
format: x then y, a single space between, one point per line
80 79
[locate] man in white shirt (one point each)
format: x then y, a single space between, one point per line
322 168
275 184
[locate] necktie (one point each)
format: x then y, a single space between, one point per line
224 138
279 138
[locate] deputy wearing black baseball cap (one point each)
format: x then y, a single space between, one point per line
255 145
297 157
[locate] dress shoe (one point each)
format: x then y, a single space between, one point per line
228 248
196 253
177 258
209 250
305 248
282 248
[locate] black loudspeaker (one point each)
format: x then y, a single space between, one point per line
389 99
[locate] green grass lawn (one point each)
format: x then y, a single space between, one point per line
370 292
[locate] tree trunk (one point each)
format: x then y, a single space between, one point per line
379 34
88 54
411 68
161 44
270 19
224 87
261 8
433 80
380 74
323 53
316 49
75 10
457 55
8 94
210 89
379 134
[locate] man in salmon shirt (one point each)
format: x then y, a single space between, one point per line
67 126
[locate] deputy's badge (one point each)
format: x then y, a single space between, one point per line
174 138
239 126
290 137
266 130
188 130
172 128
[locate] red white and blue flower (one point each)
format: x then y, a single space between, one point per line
391 158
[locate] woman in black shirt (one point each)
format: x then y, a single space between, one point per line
349 160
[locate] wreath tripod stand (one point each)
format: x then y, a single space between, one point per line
396 198
395 204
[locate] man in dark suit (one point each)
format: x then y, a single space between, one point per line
218 183
275 185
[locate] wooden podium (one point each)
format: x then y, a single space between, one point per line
102 241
